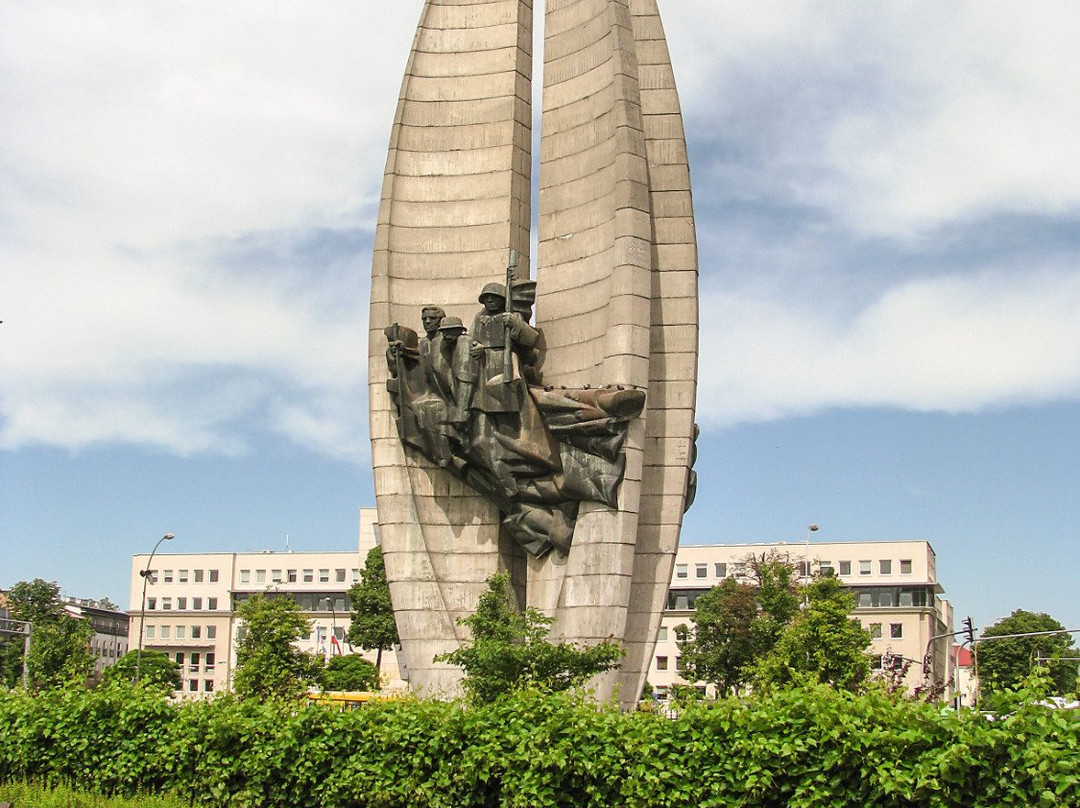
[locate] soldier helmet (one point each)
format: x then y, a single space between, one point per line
452 324
493 288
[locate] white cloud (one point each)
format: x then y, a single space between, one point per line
960 343
143 142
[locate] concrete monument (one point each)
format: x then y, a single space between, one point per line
559 450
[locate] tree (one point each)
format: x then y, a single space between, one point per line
1003 664
821 643
722 645
268 664
373 627
351 672
156 669
510 651
736 623
60 643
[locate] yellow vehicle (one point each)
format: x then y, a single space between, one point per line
349 699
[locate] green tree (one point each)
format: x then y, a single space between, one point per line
721 645
736 623
510 651
373 627
60 644
156 668
1004 664
268 664
351 672
821 643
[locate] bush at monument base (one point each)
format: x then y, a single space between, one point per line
802 747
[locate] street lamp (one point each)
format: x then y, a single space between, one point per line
333 626
806 561
142 611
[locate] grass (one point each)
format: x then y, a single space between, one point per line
34 795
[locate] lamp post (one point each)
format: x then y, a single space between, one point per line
333 626
142 610
806 560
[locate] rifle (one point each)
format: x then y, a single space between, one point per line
508 354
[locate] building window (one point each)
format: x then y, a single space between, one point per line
213 576
720 569
164 632
309 576
211 632
211 604
845 568
166 576
245 576
196 632
196 604
193 685
182 576
875 631
661 663
681 571
905 566
180 632
896 631
339 576
661 636
275 576
208 685
209 660
198 576
865 567
324 576
885 566
150 632
260 576
181 603
680 666
166 604
826 568
151 603
291 576
179 657
355 575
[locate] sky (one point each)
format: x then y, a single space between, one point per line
888 217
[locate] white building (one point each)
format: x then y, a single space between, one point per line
191 601
894 582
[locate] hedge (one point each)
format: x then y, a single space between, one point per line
796 748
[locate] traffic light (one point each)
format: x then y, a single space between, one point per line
969 630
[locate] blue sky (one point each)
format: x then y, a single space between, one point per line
888 205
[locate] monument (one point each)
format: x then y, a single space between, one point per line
557 447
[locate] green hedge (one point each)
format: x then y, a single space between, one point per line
806 747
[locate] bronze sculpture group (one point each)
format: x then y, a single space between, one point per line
473 403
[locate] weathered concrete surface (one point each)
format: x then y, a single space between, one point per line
617 301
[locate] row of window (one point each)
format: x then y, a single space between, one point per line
297 576
896 631
182 604
307 601
842 568
181 632
196 661
197 576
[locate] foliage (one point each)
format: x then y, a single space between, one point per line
156 669
39 796
267 662
822 644
351 672
737 623
60 643
800 747
510 651
1006 663
373 627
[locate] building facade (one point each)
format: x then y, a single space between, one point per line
110 625
894 582
191 601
